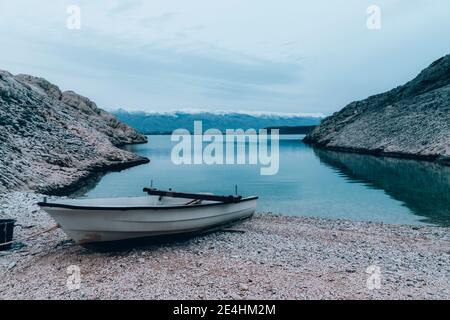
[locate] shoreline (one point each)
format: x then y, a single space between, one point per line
377 153
276 257
93 175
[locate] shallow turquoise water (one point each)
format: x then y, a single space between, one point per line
310 182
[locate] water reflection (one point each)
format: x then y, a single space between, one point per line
422 186
310 182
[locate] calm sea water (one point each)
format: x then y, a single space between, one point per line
310 182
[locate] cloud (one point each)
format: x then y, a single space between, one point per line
124 6
255 55
157 21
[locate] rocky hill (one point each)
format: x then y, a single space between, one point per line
52 141
412 120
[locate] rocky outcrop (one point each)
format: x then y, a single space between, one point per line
411 121
52 141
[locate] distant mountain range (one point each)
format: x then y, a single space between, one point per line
166 122
294 130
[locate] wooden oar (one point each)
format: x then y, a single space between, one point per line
198 196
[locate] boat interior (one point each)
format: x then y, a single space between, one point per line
130 202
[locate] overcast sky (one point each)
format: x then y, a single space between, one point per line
279 56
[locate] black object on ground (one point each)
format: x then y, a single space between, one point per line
6 232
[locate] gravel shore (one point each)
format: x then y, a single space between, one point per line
274 257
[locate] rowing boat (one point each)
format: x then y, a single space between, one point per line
160 213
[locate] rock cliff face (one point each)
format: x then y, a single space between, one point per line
52 141
411 121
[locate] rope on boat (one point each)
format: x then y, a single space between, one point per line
56 226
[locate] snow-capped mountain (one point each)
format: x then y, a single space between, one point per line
165 122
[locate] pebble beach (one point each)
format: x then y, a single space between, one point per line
268 257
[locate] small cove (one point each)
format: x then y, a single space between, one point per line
310 182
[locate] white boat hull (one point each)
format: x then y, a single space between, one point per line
95 223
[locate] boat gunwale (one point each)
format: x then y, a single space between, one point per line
97 208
